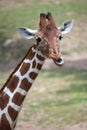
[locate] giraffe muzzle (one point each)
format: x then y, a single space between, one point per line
59 61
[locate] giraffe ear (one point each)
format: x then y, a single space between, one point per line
66 27
26 33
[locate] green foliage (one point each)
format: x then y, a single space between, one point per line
27 14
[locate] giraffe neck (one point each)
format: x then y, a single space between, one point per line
15 89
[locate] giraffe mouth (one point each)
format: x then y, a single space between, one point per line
59 61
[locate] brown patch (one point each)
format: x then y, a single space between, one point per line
25 84
40 57
4 124
31 54
25 67
39 66
18 99
13 83
34 64
13 114
4 100
33 75
15 124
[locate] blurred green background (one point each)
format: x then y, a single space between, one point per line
58 97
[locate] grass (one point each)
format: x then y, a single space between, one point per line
27 14
57 97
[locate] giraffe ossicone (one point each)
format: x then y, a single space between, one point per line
62 30
14 91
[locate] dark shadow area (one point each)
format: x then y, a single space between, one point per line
74 64
11 56
78 64
3 37
12 51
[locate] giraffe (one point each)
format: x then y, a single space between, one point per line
14 91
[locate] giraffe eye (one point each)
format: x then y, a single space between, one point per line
38 39
60 37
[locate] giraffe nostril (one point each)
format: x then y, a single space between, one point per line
53 51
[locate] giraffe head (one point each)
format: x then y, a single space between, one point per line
48 36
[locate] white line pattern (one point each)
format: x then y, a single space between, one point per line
18 89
